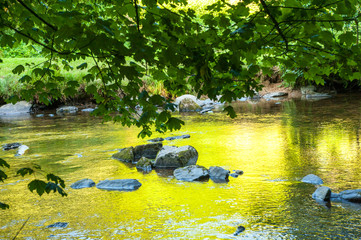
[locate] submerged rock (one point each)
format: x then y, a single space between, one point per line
10 146
148 150
191 173
58 225
66 110
239 230
18 108
322 193
177 137
119 185
144 164
218 174
351 195
156 140
313 179
125 155
173 157
84 183
21 150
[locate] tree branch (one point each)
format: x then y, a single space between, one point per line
37 16
277 25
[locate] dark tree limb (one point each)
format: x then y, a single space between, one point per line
277 25
37 16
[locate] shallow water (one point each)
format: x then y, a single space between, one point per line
274 144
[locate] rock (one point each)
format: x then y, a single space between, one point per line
39 115
318 95
179 99
322 193
173 157
19 108
84 183
308 89
119 185
66 110
218 174
351 195
238 172
10 146
156 140
148 150
313 179
206 110
275 95
191 173
189 105
177 137
239 230
144 164
51 115
335 196
88 110
58 225
234 175
125 155
21 150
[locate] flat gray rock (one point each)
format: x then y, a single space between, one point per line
58 225
66 110
177 137
18 108
312 179
218 174
119 185
275 95
84 183
351 195
10 146
322 193
191 173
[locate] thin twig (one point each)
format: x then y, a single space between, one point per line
21 228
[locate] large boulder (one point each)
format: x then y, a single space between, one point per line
313 179
173 157
119 185
322 193
84 183
351 195
125 155
188 103
66 110
148 150
18 108
144 164
218 174
191 173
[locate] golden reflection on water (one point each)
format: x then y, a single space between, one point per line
274 145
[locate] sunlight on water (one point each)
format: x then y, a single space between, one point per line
275 145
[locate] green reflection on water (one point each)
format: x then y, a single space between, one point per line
275 144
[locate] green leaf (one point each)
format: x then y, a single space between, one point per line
3 176
55 179
3 205
37 185
24 171
230 111
3 163
18 69
174 123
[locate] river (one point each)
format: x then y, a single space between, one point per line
276 144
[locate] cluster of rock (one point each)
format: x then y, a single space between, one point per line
324 194
21 148
111 185
190 103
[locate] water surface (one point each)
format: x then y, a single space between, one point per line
275 144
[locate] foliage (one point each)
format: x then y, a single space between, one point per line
55 183
216 53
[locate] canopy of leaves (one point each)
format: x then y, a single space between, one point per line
216 53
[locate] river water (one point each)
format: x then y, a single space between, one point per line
275 144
